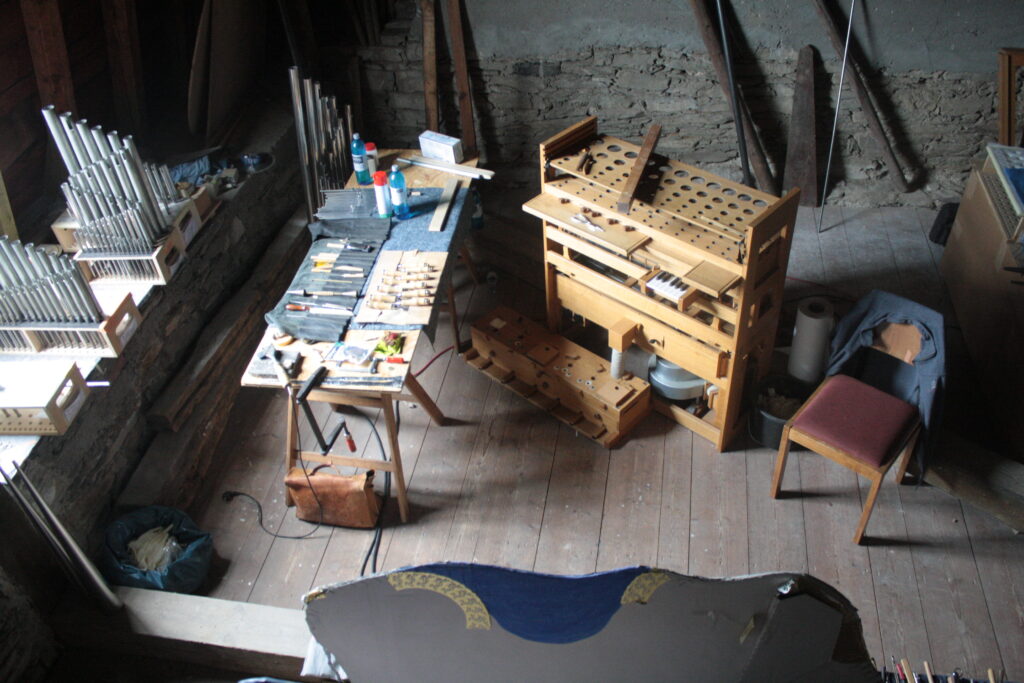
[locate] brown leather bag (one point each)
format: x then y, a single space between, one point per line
345 500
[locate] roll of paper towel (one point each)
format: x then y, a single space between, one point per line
809 353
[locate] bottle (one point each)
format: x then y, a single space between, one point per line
397 182
359 160
380 189
371 157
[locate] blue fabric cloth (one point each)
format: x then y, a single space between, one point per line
921 384
542 607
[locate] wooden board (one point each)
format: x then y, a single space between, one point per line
709 278
451 186
802 148
430 103
679 189
616 237
467 127
390 261
639 168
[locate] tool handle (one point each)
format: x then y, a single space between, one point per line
311 383
348 437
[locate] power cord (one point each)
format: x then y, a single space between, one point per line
229 496
378 529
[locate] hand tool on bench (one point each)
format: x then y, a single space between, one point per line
302 398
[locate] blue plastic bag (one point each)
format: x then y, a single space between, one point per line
182 575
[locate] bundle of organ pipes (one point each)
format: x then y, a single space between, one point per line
324 136
123 206
37 287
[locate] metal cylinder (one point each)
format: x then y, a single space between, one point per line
76 145
60 138
295 80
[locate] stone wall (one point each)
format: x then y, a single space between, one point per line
940 120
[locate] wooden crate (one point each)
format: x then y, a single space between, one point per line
42 398
158 267
558 376
105 339
728 244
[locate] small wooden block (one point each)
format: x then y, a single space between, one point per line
589 429
566 415
542 353
498 373
542 401
522 388
710 279
614 393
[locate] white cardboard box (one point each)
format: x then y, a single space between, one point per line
444 147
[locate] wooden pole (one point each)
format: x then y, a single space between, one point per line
466 124
49 54
861 90
7 224
802 147
755 150
121 27
637 172
430 64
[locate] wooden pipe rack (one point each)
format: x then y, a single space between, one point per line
726 243
558 376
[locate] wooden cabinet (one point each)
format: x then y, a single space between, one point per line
693 272
989 308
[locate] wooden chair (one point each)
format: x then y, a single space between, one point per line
858 426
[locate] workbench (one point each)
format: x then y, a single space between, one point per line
376 392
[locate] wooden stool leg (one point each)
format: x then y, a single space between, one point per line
869 504
396 457
290 446
780 462
908 453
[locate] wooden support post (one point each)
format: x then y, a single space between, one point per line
622 333
637 172
1010 59
121 27
430 64
758 158
861 90
466 124
802 148
7 225
49 53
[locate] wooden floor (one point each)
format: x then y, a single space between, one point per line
505 484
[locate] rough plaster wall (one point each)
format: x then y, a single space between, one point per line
81 473
939 120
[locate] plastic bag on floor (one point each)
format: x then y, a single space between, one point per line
186 566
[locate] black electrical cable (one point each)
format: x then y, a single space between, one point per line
378 530
228 496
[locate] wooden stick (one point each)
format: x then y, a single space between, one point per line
928 671
637 172
466 124
430 64
801 149
905 665
866 105
441 210
758 159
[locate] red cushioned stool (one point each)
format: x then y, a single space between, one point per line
859 427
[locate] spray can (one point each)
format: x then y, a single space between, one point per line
397 183
380 190
371 158
359 160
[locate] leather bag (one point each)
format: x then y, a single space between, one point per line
346 500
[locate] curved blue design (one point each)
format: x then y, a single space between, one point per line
542 607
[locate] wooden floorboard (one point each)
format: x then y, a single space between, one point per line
504 483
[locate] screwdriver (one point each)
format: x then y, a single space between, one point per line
319 310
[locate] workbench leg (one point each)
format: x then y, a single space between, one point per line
467 260
387 406
417 390
290 446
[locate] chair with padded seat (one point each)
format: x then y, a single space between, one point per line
855 423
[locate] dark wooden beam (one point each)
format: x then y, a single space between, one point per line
49 50
466 124
121 26
430 64
755 150
802 148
